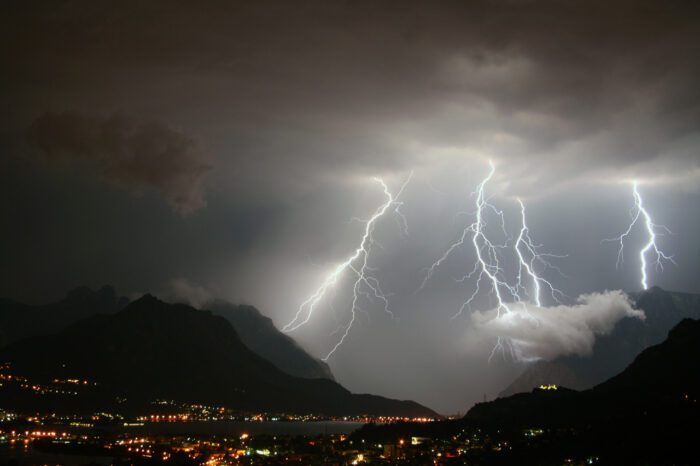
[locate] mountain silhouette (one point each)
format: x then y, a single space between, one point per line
613 352
647 414
154 350
19 320
660 380
260 335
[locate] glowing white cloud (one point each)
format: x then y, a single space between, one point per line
549 332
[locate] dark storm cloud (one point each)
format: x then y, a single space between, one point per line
136 156
367 87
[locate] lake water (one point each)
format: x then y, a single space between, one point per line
233 428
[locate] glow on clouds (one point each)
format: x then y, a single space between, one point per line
548 332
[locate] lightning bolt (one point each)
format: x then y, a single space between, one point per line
487 257
640 213
487 263
487 267
525 242
365 285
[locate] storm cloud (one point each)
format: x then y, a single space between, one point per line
592 90
133 155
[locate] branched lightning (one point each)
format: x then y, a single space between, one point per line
487 267
365 285
639 212
524 241
487 257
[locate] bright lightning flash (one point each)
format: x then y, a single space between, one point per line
488 265
525 242
365 285
639 212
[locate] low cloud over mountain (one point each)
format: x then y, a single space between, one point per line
548 332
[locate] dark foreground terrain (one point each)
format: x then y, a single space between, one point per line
154 383
152 350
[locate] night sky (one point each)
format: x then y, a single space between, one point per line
228 149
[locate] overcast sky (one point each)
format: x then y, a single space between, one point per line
224 150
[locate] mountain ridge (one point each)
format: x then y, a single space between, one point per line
649 413
258 333
661 375
152 349
19 320
613 352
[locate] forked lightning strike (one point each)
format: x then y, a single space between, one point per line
525 241
659 256
365 284
488 265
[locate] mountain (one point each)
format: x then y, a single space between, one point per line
613 352
662 379
669 370
154 350
18 321
647 414
260 335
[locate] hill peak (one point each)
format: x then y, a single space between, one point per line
153 350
